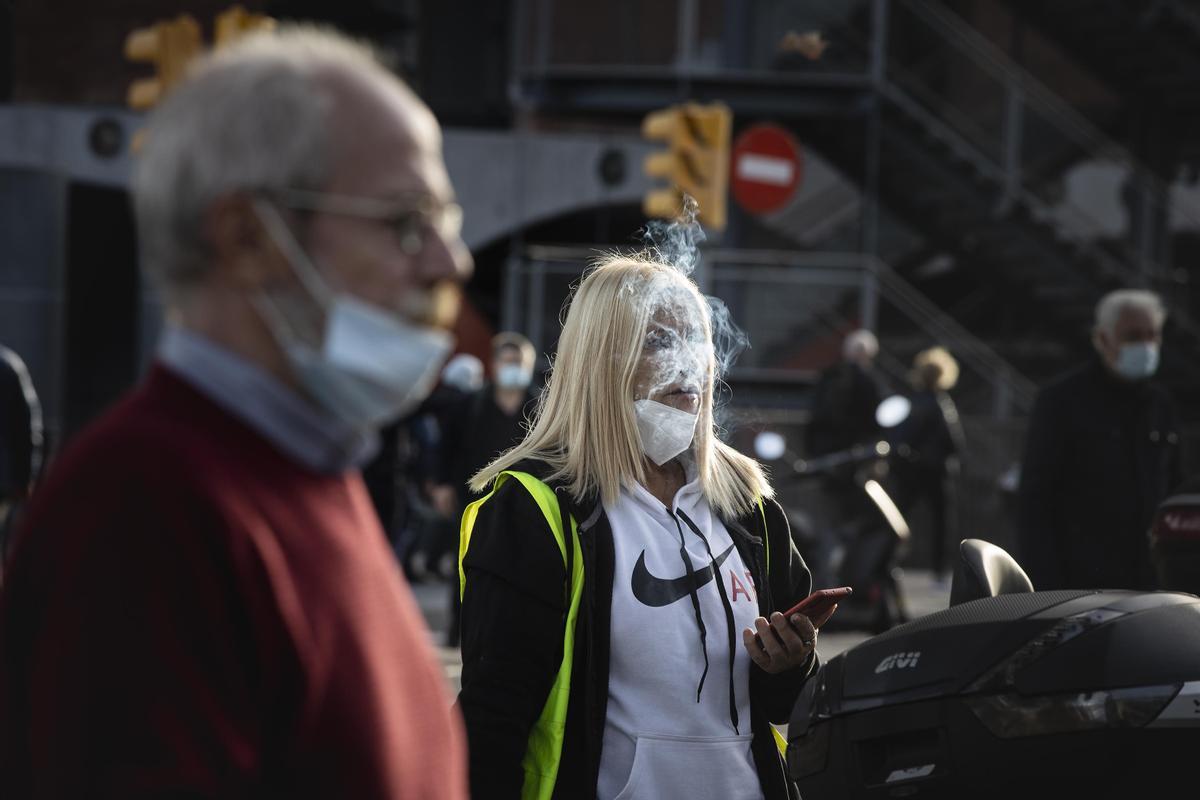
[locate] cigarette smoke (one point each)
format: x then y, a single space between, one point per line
680 356
677 242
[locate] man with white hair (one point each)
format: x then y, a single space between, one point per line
1102 451
845 398
844 402
202 602
860 346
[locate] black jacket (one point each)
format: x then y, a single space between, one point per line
513 617
843 408
1100 455
930 436
474 432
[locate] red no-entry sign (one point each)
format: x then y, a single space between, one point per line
767 166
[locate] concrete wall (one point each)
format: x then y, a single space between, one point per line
505 181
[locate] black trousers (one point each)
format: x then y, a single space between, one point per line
917 485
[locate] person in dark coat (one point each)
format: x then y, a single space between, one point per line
399 476
485 423
428 537
20 439
383 476
845 398
1102 452
843 415
928 446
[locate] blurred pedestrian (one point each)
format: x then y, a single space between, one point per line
1101 453
928 447
463 374
383 475
20 440
201 601
485 423
462 377
846 397
399 474
424 528
617 572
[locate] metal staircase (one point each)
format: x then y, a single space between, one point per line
1147 50
971 151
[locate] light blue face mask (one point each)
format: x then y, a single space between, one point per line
371 366
513 376
1137 361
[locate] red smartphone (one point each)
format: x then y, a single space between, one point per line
815 605
819 602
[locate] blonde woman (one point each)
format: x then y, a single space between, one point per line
623 578
928 446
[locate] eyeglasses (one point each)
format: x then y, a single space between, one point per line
412 224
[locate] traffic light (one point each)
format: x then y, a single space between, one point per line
236 22
169 45
696 161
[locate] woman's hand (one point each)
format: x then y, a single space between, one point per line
781 645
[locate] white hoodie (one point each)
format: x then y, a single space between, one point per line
659 741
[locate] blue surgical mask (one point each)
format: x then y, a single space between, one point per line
1137 361
513 376
371 365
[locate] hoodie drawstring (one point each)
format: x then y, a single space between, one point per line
729 625
691 574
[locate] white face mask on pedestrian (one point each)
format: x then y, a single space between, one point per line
1137 361
371 366
666 432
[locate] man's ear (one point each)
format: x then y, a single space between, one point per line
243 252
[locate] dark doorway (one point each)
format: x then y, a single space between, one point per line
101 303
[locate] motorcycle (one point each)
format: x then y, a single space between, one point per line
864 549
1009 692
1175 540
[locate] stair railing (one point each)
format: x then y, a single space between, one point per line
1025 95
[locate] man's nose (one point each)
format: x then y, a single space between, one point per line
446 258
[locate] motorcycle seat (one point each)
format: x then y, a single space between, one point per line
985 570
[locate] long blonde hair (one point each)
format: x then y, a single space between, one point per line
584 427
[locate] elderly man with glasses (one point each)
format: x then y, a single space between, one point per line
201 602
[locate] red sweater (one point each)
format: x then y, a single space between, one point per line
191 614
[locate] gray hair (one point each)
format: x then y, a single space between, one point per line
255 116
1109 309
860 341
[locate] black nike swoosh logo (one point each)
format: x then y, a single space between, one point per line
657 592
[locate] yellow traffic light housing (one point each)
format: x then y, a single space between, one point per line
696 161
237 22
169 45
